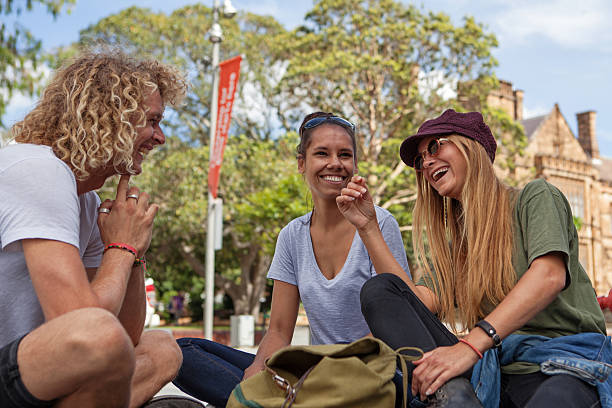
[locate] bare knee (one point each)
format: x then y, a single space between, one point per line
161 350
98 339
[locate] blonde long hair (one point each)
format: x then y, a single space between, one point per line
89 112
470 241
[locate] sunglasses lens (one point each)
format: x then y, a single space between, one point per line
342 122
433 147
418 162
312 123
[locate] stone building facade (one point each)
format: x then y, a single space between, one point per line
574 165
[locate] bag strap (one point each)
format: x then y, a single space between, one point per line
404 367
282 383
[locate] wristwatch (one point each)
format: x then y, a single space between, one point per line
491 332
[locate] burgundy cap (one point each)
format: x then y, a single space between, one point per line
468 124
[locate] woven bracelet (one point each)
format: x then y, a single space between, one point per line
124 247
140 261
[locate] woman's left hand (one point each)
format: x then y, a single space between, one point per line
356 204
440 365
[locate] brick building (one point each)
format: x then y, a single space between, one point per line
574 165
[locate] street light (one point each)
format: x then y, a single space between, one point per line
215 36
229 11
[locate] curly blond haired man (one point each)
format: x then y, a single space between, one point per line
72 295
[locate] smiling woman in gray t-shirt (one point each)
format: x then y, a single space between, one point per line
319 259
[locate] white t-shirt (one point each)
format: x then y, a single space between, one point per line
38 199
332 306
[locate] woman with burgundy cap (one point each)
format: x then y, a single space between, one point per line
502 267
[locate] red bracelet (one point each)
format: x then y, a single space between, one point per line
464 341
125 247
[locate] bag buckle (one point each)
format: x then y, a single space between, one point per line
281 382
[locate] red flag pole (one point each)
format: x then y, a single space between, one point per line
219 127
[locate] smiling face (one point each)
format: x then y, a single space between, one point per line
328 162
446 171
150 135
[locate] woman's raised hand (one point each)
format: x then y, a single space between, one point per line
130 220
355 203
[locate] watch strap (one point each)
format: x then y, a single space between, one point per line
491 332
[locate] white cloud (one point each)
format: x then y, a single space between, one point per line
20 104
435 81
17 108
566 22
533 111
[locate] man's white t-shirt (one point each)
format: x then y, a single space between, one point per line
38 199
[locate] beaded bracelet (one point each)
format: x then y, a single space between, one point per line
470 345
125 247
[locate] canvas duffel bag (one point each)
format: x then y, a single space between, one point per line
358 374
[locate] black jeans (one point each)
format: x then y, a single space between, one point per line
548 391
398 317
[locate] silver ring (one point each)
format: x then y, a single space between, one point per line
133 196
103 210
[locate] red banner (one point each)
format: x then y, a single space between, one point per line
229 71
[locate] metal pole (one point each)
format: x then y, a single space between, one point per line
210 238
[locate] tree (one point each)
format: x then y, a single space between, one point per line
20 51
260 188
388 67
385 65
181 39
178 177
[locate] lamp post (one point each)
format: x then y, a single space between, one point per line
215 36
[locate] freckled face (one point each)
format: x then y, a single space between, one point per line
446 171
151 134
329 161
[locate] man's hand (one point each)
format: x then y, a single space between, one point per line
130 220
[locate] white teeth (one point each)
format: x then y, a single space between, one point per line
332 178
437 172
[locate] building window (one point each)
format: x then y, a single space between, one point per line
576 200
574 192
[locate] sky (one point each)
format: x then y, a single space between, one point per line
556 51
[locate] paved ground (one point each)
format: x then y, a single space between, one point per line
170 389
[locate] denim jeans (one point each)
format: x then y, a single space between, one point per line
210 370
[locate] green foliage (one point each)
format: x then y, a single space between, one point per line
181 39
388 66
383 64
259 186
19 50
577 222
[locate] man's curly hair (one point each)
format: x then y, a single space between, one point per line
89 112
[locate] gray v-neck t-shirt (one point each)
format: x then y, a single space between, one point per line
332 306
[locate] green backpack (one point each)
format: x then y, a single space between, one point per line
358 374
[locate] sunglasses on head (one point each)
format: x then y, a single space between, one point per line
313 123
433 148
